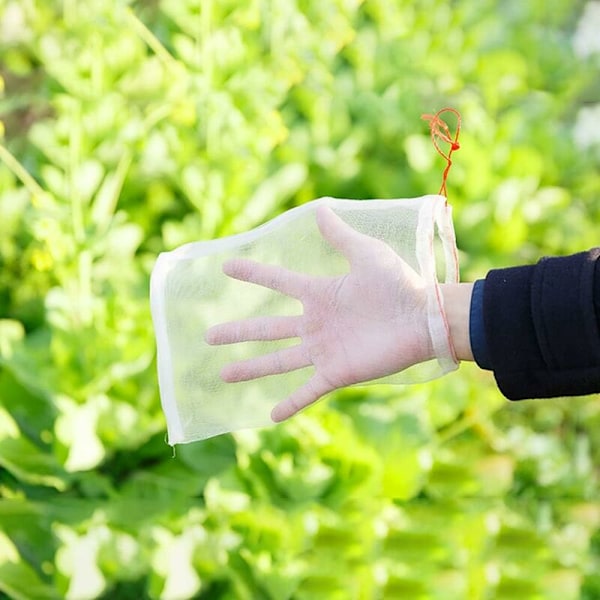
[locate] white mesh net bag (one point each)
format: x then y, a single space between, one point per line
331 293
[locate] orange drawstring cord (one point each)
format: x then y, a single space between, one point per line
440 130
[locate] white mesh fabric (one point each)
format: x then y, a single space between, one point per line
190 293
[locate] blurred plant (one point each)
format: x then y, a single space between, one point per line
128 128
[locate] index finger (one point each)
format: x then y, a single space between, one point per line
273 277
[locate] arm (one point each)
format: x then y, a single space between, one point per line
537 327
457 303
542 327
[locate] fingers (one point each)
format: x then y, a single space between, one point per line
270 276
255 329
282 361
341 236
310 392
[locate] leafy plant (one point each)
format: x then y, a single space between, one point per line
130 128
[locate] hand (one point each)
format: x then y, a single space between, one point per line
366 324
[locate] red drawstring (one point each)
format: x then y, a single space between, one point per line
439 130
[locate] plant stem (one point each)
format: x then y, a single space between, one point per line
153 42
21 173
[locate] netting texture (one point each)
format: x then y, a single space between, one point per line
190 293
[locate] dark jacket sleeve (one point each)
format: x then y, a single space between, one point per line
542 327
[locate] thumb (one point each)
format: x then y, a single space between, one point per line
340 235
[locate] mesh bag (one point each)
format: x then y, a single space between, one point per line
190 293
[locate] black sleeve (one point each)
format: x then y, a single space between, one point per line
542 327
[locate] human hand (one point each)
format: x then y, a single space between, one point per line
366 324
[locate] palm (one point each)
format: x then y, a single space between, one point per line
365 318
354 328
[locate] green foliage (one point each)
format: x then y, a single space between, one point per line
133 127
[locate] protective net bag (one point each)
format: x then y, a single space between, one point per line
190 293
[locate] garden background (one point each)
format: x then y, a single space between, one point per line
129 128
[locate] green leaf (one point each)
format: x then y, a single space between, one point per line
20 582
25 460
273 192
105 200
30 464
11 333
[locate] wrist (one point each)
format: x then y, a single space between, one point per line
457 303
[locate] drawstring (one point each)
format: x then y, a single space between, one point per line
440 131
